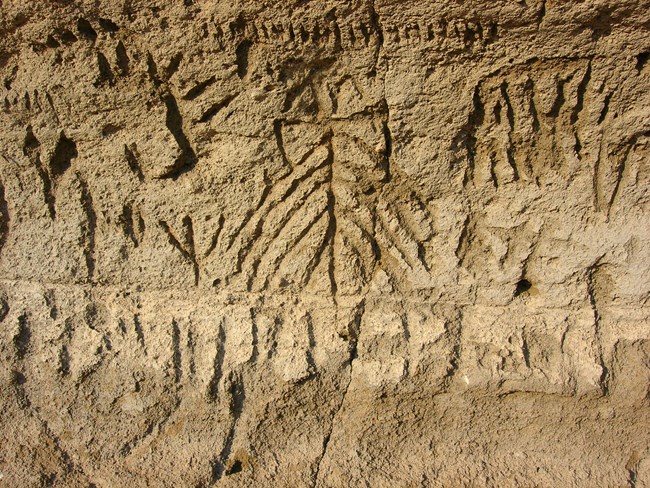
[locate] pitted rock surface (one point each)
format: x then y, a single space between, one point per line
325 243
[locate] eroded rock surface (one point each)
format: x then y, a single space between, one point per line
325 243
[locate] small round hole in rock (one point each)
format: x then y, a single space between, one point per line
68 37
523 286
235 468
108 25
109 130
85 29
51 42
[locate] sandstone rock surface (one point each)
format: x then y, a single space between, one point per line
325 243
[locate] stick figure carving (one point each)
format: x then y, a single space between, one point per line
340 217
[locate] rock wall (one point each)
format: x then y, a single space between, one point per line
325 243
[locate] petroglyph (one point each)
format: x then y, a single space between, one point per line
324 243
